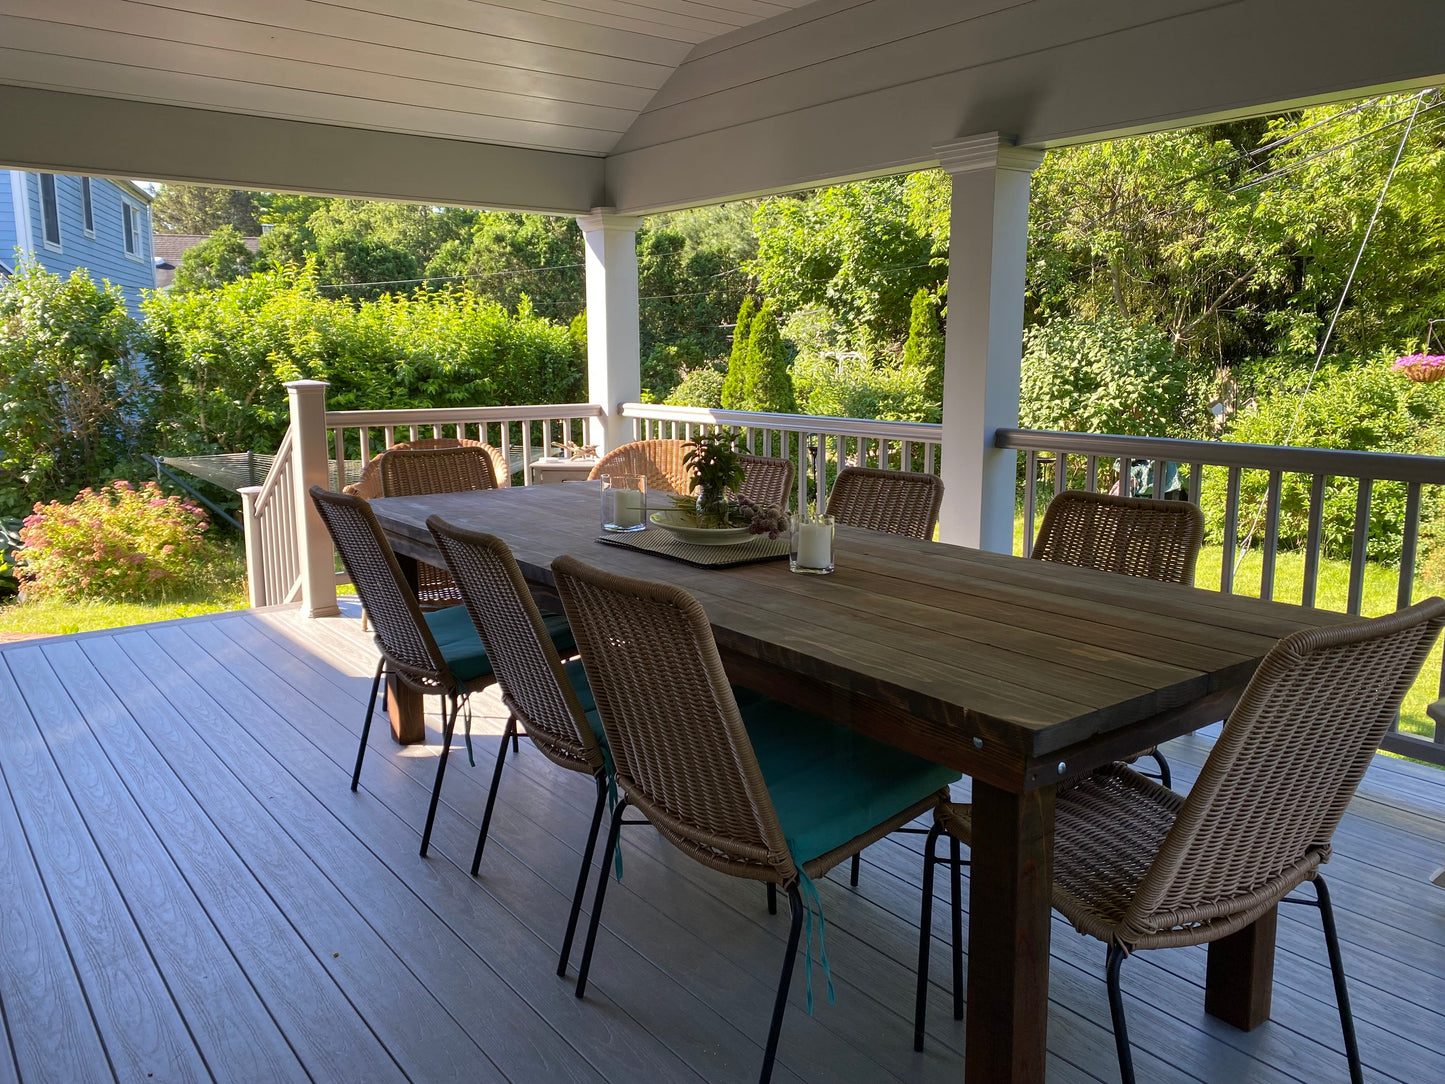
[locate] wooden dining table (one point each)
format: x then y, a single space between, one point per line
1018 673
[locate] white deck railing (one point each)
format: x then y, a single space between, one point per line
273 546
818 446
1055 461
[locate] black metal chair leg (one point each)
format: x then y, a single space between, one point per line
601 892
366 724
511 732
1165 776
1337 968
780 1003
516 746
772 898
925 938
1116 1011
956 854
853 872
582 875
448 726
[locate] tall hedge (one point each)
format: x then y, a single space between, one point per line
732 389
219 357
767 385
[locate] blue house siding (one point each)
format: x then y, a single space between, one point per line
102 254
8 237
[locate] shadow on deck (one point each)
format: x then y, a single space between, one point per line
189 892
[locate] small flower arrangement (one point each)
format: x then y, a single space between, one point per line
1422 368
714 466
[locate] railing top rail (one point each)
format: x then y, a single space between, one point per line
811 423
350 419
1378 466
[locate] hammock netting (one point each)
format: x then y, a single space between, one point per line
232 470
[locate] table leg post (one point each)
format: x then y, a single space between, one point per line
404 705
1010 887
1239 978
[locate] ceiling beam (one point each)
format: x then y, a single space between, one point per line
774 112
75 133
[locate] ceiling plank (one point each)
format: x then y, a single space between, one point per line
73 133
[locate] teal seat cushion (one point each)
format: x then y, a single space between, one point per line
462 648
578 677
830 784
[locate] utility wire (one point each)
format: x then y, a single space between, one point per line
1334 318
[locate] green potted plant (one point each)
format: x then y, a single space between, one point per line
714 466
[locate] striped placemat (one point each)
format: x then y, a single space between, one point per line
663 544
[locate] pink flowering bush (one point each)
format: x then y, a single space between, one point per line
119 543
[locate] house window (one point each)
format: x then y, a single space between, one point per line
87 209
49 210
130 222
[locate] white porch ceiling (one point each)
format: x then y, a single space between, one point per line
565 105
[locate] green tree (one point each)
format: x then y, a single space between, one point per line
221 258
506 256
733 383
852 250
923 353
70 387
190 208
768 386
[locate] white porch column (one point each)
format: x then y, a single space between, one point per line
987 247
309 452
614 365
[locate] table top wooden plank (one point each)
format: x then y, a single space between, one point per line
1037 656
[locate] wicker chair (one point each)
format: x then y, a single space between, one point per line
369 484
437 652
766 792
415 472
1154 540
766 481
1140 867
548 697
895 501
659 461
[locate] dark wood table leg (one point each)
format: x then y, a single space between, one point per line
1010 886
1239 978
404 705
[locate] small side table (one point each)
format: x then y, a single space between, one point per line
554 469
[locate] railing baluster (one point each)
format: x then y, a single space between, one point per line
820 453
1030 497
1271 535
1196 483
1314 539
1126 481
1061 472
338 443
1359 547
1405 594
928 457
1231 528
526 453
1157 488
1091 474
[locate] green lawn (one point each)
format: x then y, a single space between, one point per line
225 589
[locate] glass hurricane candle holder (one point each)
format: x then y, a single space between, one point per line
624 502
810 548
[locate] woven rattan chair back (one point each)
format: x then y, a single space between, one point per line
766 482
415 472
1154 540
401 632
369 484
679 748
659 461
895 501
523 657
1259 818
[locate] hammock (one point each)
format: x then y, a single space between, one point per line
229 470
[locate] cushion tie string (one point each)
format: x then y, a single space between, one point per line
813 903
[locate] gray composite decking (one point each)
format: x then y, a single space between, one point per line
189 891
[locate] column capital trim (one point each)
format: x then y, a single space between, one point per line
987 151
605 218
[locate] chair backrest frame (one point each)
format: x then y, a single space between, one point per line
400 631
766 481
897 502
679 747
369 484
1131 536
1259 818
524 660
659 461
416 472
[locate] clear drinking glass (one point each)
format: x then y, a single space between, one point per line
624 502
810 548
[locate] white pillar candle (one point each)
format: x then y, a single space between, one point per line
815 548
628 508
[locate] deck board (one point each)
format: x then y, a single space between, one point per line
192 890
